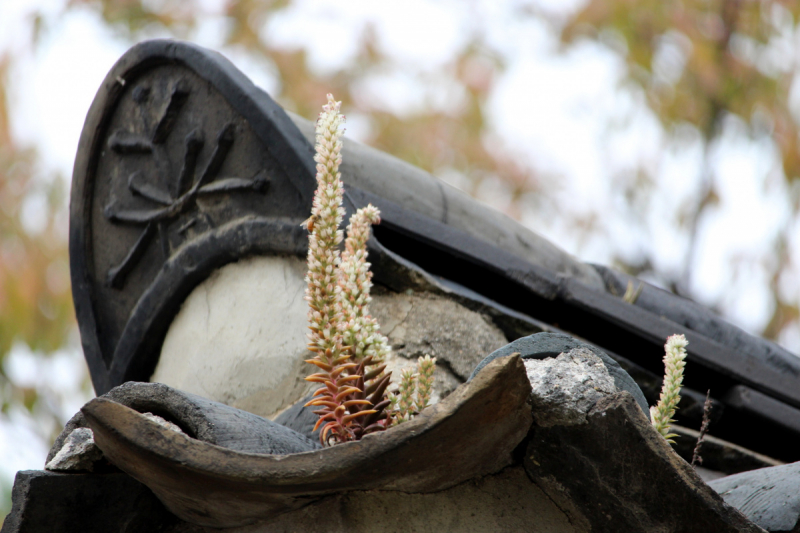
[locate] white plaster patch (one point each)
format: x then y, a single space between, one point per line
240 337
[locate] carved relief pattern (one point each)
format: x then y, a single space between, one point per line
188 185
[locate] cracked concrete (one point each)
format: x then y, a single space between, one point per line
240 337
419 324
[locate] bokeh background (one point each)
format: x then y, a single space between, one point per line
657 136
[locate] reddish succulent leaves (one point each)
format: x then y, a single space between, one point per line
349 409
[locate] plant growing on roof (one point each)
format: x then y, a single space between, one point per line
405 404
674 361
345 338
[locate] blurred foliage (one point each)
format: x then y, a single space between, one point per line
699 59
698 62
431 139
35 298
134 16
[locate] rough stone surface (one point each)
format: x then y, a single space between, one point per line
770 497
507 501
566 388
620 475
545 345
419 324
49 502
79 452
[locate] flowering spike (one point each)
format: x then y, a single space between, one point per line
326 217
342 334
674 361
426 366
361 331
405 394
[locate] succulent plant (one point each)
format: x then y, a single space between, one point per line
344 337
674 361
414 392
349 348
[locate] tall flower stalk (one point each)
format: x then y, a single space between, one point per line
348 346
337 294
674 361
323 291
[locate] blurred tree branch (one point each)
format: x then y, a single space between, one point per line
698 62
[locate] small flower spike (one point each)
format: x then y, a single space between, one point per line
360 330
674 361
405 395
426 365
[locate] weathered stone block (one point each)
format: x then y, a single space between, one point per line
546 345
565 388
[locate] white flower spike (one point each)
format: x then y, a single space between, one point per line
674 361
